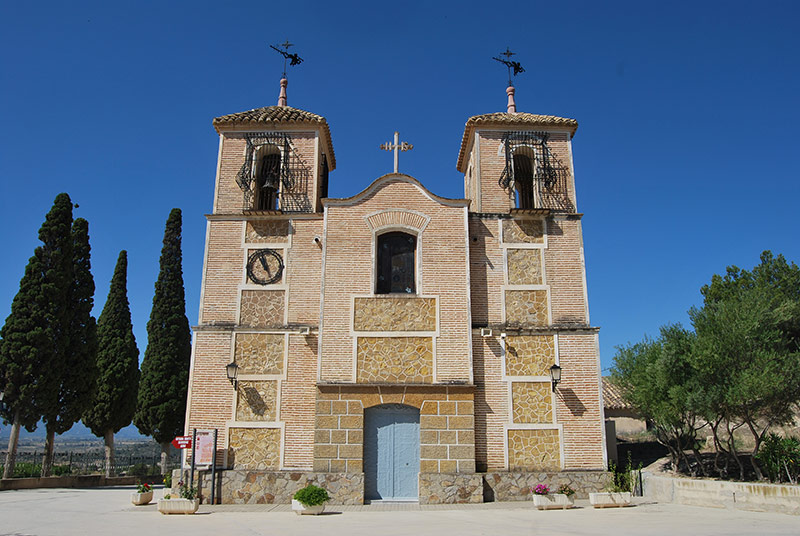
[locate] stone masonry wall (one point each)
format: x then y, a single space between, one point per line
447 437
394 360
394 314
516 486
244 486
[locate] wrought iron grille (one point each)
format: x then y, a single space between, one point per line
292 185
537 177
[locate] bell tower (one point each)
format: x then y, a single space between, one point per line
530 315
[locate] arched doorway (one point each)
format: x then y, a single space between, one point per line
391 453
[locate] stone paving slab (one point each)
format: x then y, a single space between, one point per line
100 511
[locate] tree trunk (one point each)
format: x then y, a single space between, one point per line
47 458
11 455
108 437
164 457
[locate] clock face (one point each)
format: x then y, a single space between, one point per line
265 266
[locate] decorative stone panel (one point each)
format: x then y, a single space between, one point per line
254 448
534 450
259 353
455 488
525 267
262 308
395 359
516 486
266 231
532 402
526 307
530 355
395 314
241 486
257 400
523 231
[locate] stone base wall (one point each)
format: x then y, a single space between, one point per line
241 486
443 488
516 486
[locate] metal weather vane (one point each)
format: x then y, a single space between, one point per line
515 65
294 59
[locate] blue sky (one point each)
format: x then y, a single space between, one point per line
685 157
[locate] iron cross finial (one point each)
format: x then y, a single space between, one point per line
294 58
397 146
515 65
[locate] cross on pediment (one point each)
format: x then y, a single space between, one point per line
396 147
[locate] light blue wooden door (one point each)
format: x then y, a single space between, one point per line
391 453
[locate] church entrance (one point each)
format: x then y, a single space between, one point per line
391 453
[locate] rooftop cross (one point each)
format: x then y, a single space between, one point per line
397 146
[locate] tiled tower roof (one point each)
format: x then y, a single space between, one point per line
275 116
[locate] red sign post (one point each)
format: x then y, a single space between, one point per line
182 442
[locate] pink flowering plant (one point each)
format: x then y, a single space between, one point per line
541 489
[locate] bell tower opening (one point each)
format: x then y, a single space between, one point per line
268 176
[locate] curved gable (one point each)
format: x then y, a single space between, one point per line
386 181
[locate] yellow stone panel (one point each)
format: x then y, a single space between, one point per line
534 450
526 307
259 353
257 400
395 359
255 448
532 402
530 355
525 267
523 231
267 231
395 314
262 308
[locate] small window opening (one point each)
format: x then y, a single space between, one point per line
396 263
267 181
523 179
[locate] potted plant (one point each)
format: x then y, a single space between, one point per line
143 494
188 503
544 500
618 491
310 500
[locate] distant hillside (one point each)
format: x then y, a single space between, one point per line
79 431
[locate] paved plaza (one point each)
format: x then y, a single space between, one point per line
100 511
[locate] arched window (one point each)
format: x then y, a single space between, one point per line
396 268
523 180
268 178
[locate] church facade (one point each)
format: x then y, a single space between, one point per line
396 345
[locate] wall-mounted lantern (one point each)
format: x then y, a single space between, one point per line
232 371
555 376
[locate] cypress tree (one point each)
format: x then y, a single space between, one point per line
75 355
34 334
114 400
161 405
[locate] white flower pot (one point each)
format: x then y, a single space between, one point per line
178 506
553 501
301 509
140 499
610 499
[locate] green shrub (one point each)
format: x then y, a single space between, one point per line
168 480
311 495
780 457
